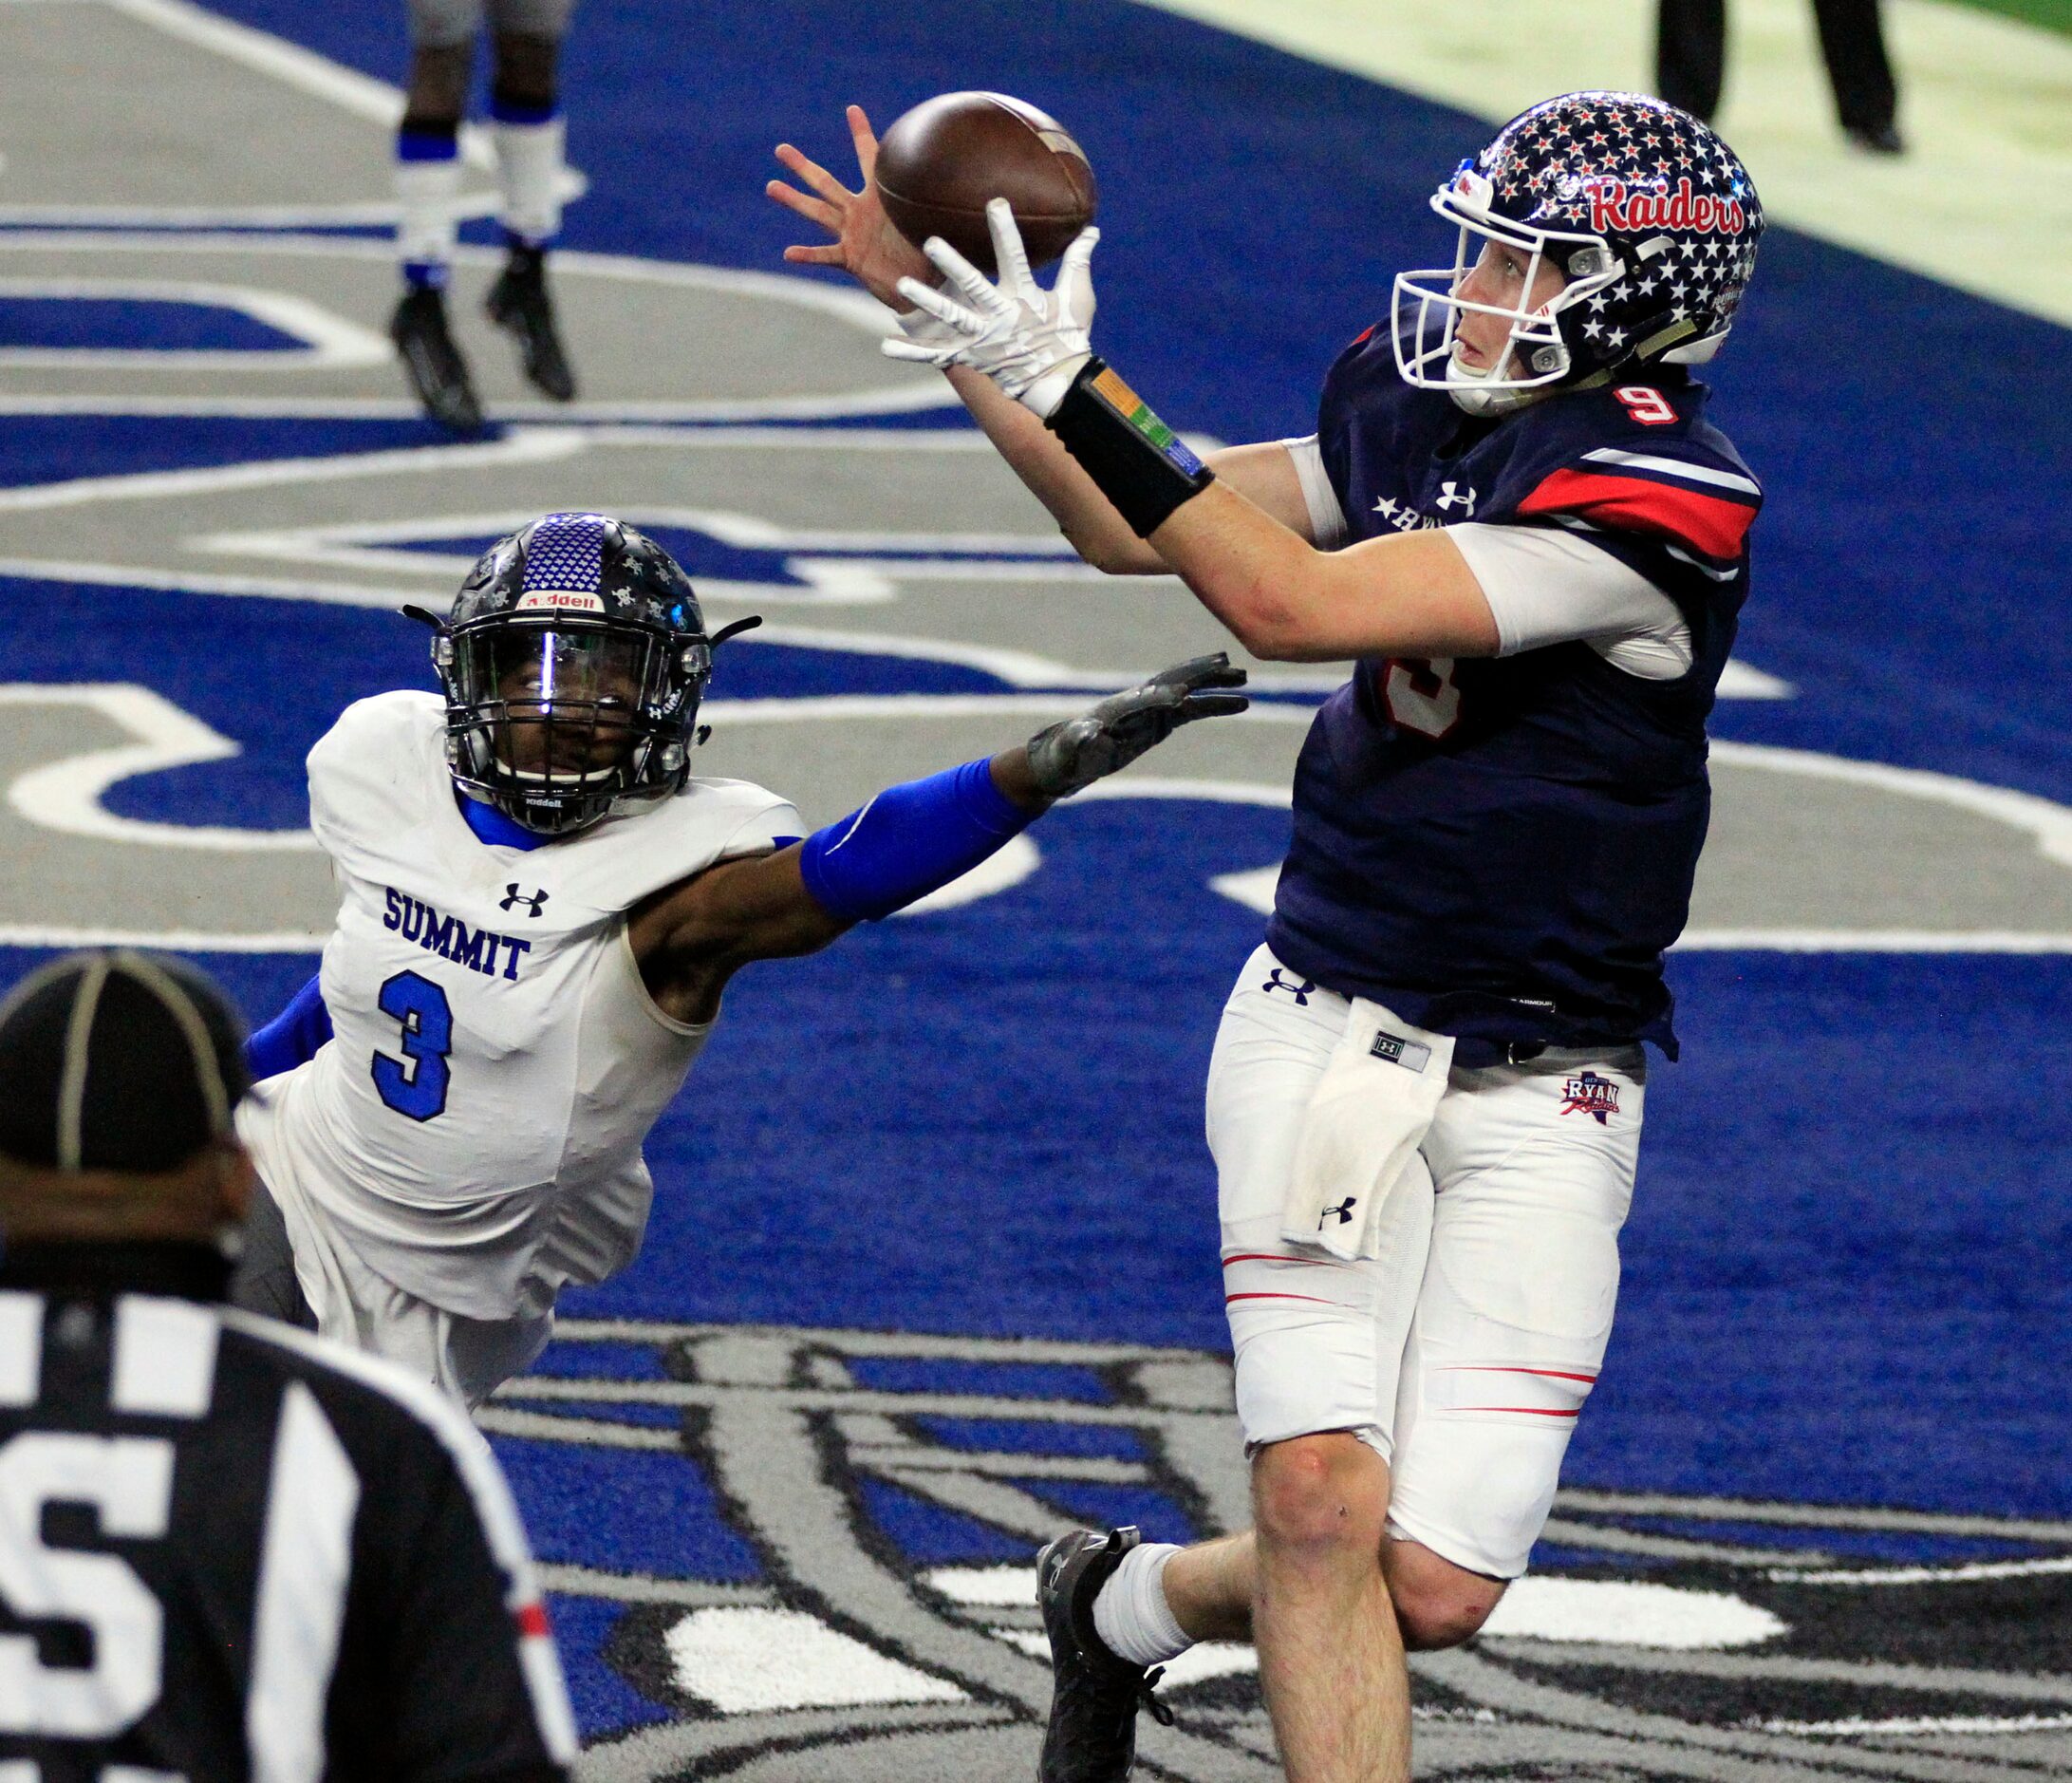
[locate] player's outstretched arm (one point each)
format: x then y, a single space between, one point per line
1412 594
910 840
864 244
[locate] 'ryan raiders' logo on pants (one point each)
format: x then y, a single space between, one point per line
1591 1095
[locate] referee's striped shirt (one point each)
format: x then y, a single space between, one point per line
229 1552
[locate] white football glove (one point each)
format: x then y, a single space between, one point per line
1029 341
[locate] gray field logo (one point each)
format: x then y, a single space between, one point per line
1662 1636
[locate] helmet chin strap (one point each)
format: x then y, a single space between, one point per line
1487 398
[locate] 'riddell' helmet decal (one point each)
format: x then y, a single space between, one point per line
1647 215
573 662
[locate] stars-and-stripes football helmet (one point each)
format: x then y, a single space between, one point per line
573 662
1649 216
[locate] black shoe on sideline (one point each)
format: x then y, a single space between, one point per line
1876 138
435 369
1095 1693
518 304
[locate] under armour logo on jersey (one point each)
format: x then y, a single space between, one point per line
1299 992
1342 1209
1591 1095
1449 499
533 901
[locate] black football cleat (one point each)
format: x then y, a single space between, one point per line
1095 1693
518 304
436 371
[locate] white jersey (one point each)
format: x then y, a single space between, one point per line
474 1127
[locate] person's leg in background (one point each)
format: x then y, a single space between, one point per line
442 35
525 113
1690 53
1866 95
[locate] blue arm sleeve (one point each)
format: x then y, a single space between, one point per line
293 1035
909 842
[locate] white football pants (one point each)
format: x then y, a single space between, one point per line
1467 1375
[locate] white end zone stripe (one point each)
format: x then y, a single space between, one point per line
494 1506
305 1569
1673 467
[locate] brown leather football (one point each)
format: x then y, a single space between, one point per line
939 163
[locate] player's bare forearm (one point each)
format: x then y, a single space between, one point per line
691 938
1264 474
1093 528
1285 600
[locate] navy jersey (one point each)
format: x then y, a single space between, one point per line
1501 848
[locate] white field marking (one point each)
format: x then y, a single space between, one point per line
1869 941
1959 1574
329 339
304 70
1990 166
854 309
1738 680
1199 1662
1019 668
521 445
1907 1725
192 582
160 940
747 1661
66 796
1254 889
991 1588
900 440
1221 792
829 581
1626 1613
367 213
661 414
859 312
1000 871
2049 823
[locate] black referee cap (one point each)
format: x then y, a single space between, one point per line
117 1061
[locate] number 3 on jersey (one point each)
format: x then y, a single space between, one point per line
416 1085
1421 694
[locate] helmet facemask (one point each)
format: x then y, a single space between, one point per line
552 720
1535 356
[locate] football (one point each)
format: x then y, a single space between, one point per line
940 163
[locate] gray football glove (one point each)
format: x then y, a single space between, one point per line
1074 754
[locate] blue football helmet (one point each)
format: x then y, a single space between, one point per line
1647 215
573 662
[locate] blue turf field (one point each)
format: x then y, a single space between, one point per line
1845 1269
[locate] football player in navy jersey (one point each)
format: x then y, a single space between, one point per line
1425 1096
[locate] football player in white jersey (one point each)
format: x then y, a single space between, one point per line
540 909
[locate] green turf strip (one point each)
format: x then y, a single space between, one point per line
2052 15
